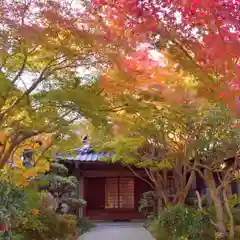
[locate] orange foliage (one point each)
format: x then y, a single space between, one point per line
206 33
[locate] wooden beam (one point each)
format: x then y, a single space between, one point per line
117 173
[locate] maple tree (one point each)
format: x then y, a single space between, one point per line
199 38
153 138
45 44
42 53
21 170
216 158
44 48
176 142
195 43
64 189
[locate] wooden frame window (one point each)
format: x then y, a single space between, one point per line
119 193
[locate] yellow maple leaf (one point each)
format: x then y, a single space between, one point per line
42 165
30 172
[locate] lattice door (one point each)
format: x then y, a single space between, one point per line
119 193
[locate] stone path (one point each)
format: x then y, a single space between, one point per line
118 231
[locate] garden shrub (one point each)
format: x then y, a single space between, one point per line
180 222
68 224
48 225
149 220
147 203
236 215
234 205
235 209
15 204
14 201
12 236
237 232
84 225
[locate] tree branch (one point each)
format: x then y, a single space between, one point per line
21 70
202 210
29 90
139 176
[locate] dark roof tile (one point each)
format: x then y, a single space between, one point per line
83 155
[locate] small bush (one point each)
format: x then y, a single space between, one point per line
148 203
179 222
149 220
48 225
84 225
236 215
68 224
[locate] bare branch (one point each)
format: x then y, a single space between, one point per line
201 208
229 212
139 176
29 90
203 166
21 70
200 173
13 144
4 62
151 177
42 153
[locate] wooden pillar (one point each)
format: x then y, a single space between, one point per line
80 186
81 194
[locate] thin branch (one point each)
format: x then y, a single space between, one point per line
115 109
226 204
29 90
66 113
189 184
221 182
236 60
19 139
100 92
150 176
4 62
21 70
200 173
203 166
42 153
162 184
181 47
201 208
139 176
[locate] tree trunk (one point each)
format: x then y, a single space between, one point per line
220 217
181 199
160 200
159 205
217 203
182 193
231 220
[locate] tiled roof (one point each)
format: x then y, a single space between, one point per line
83 154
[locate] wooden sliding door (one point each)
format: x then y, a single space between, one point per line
119 193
